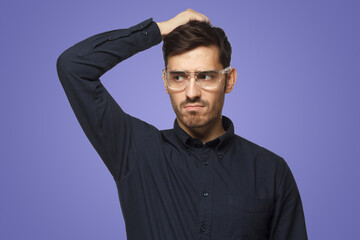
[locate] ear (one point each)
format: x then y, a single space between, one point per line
231 79
166 89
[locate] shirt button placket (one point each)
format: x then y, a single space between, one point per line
206 205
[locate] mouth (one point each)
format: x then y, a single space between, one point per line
193 108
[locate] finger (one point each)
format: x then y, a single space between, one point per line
204 18
207 20
195 15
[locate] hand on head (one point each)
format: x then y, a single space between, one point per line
180 19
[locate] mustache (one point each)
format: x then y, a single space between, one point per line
192 101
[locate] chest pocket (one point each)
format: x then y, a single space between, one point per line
249 218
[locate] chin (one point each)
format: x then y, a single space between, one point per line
194 121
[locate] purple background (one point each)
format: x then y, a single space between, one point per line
297 94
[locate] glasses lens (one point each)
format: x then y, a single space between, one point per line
208 79
176 79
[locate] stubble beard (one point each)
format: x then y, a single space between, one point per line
192 120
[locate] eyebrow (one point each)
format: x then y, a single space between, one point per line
177 71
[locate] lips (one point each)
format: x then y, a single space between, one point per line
195 107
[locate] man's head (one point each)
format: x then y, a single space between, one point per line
193 47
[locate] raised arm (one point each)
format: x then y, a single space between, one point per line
79 68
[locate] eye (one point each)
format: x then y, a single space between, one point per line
207 76
177 76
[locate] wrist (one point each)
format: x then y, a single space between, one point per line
161 28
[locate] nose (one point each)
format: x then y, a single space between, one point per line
192 89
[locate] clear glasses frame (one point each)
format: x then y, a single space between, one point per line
201 82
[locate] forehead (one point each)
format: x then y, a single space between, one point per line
200 58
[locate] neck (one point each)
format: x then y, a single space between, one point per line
207 133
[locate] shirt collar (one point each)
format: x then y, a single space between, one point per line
222 140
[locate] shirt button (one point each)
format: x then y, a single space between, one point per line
202 228
205 194
205 163
220 155
145 32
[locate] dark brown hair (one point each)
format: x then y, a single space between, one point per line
195 34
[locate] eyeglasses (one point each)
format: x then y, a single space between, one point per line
209 79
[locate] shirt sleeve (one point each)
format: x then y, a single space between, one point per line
288 221
79 68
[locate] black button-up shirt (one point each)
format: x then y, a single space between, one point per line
172 186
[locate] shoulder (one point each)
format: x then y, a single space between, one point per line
254 148
259 155
263 163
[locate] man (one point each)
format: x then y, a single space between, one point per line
198 180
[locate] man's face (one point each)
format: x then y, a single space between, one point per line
195 107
